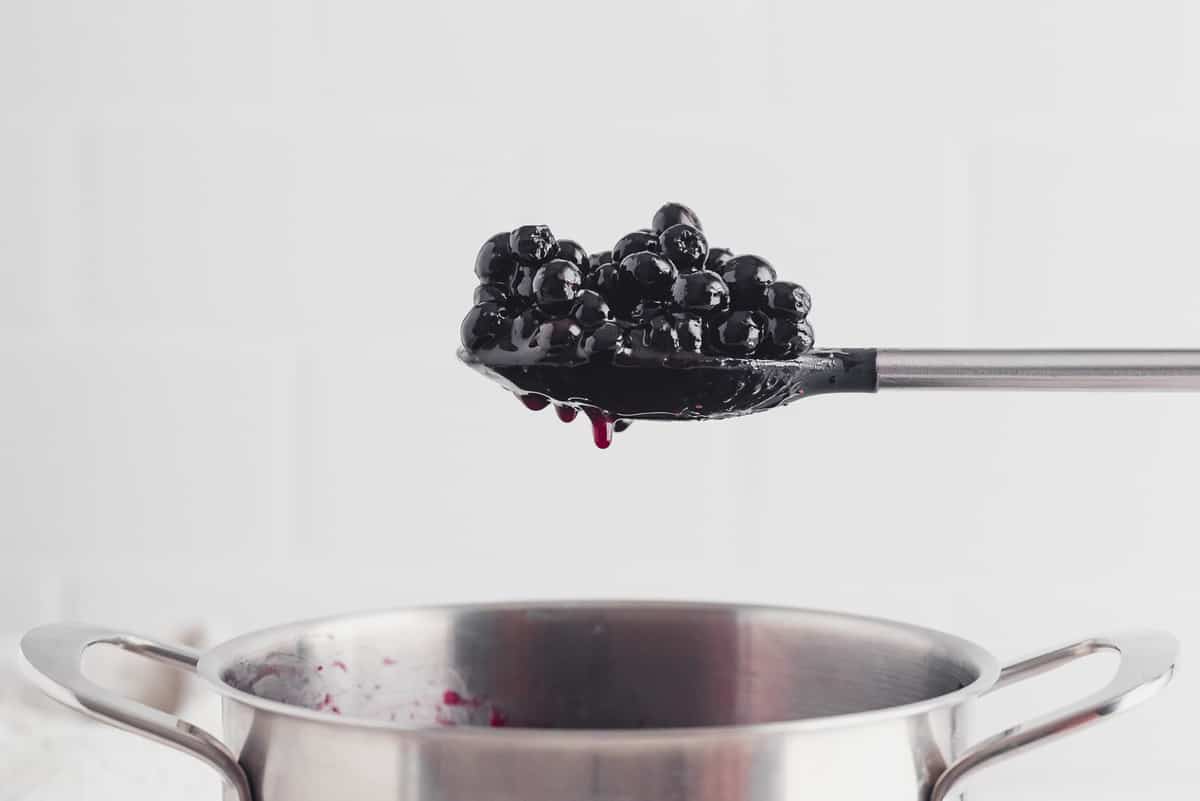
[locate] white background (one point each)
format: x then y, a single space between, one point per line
236 241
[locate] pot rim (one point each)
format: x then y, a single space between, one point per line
213 661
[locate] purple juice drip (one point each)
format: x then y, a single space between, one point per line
602 426
535 403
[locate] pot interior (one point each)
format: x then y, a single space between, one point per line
596 666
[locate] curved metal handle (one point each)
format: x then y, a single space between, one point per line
1147 664
54 655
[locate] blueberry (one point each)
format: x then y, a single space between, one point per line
495 262
591 310
532 244
787 337
661 334
504 335
556 337
604 343
748 278
738 333
653 274
648 346
556 285
480 326
633 243
521 285
689 328
597 259
684 246
786 299
700 292
619 289
672 214
647 310
716 259
525 325
491 293
570 250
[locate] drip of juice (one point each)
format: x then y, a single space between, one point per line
602 426
535 403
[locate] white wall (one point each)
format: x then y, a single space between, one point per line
236 242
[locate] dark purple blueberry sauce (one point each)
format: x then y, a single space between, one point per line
660 327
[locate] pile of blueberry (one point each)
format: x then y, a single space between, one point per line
661 292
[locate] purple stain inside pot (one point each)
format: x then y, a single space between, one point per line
452 698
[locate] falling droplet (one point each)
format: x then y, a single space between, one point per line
565 413
535 403
602 427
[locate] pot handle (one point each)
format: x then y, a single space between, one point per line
1147 664
53 655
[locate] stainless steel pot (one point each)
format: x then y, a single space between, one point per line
595 702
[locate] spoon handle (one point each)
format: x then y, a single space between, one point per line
1145 370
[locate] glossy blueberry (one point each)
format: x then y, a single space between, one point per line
532 244
556 337
689 328
526 324
717 258
521 285
597 259
661 334
480 326
504 335
603 279
605 342
491 293
672 214
786 299
619 289
633 243
570 250
787 337
494 264
653 275
684 246
748 278
648 309
702 292
556 284
738 333
591 310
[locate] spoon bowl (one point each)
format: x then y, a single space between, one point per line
683 386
